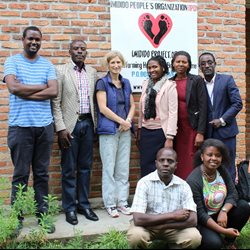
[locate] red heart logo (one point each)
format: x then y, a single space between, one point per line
155 29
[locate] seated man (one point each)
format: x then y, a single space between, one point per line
163 208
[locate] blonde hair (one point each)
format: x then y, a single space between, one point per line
112 54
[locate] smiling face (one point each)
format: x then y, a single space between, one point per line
181 65
115 65
212 158
32 43
155 70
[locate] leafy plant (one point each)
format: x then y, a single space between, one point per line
8 217
24 205
112 240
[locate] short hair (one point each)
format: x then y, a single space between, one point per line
34 28
211 142
161 61
112 54
76 40
182 53
163 149
206 53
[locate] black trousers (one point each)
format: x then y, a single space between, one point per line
237 218
150 142
76 162
30 147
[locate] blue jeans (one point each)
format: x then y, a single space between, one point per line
31 147
76 162
115 156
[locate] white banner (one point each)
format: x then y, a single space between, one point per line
142 29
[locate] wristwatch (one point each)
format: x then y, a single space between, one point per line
223 124
129 119
224 210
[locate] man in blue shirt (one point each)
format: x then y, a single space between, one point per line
31 81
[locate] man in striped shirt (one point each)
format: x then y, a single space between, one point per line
74 116
32 83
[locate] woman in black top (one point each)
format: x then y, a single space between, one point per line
220 212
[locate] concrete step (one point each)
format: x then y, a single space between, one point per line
85 227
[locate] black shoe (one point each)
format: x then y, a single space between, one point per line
71 218
88 213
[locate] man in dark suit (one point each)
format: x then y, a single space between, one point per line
224 103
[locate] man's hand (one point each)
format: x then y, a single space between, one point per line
181 215
216 123
21 90
64 138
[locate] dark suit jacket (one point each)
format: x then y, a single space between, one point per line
227 104
196 100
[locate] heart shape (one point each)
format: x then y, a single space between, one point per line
155 29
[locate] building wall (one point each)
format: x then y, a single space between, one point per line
248 79
221 30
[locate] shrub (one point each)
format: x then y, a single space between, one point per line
24 205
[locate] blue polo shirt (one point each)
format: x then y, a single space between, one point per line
23 112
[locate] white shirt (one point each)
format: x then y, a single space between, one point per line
152 196
210 88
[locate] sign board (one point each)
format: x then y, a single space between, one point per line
142 29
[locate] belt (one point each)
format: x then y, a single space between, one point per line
84 116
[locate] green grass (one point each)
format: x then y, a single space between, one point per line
112 240
243 241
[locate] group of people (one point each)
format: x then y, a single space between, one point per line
202 212
176 116
190 201
70 99
199 108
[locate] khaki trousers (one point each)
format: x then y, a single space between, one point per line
188 238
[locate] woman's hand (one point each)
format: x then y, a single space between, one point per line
198 140
231 232
124 125
222 219
168 143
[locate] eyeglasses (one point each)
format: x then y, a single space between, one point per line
204 63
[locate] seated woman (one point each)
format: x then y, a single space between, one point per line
221 214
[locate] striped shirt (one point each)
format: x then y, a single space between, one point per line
29 113
83 87
152 196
